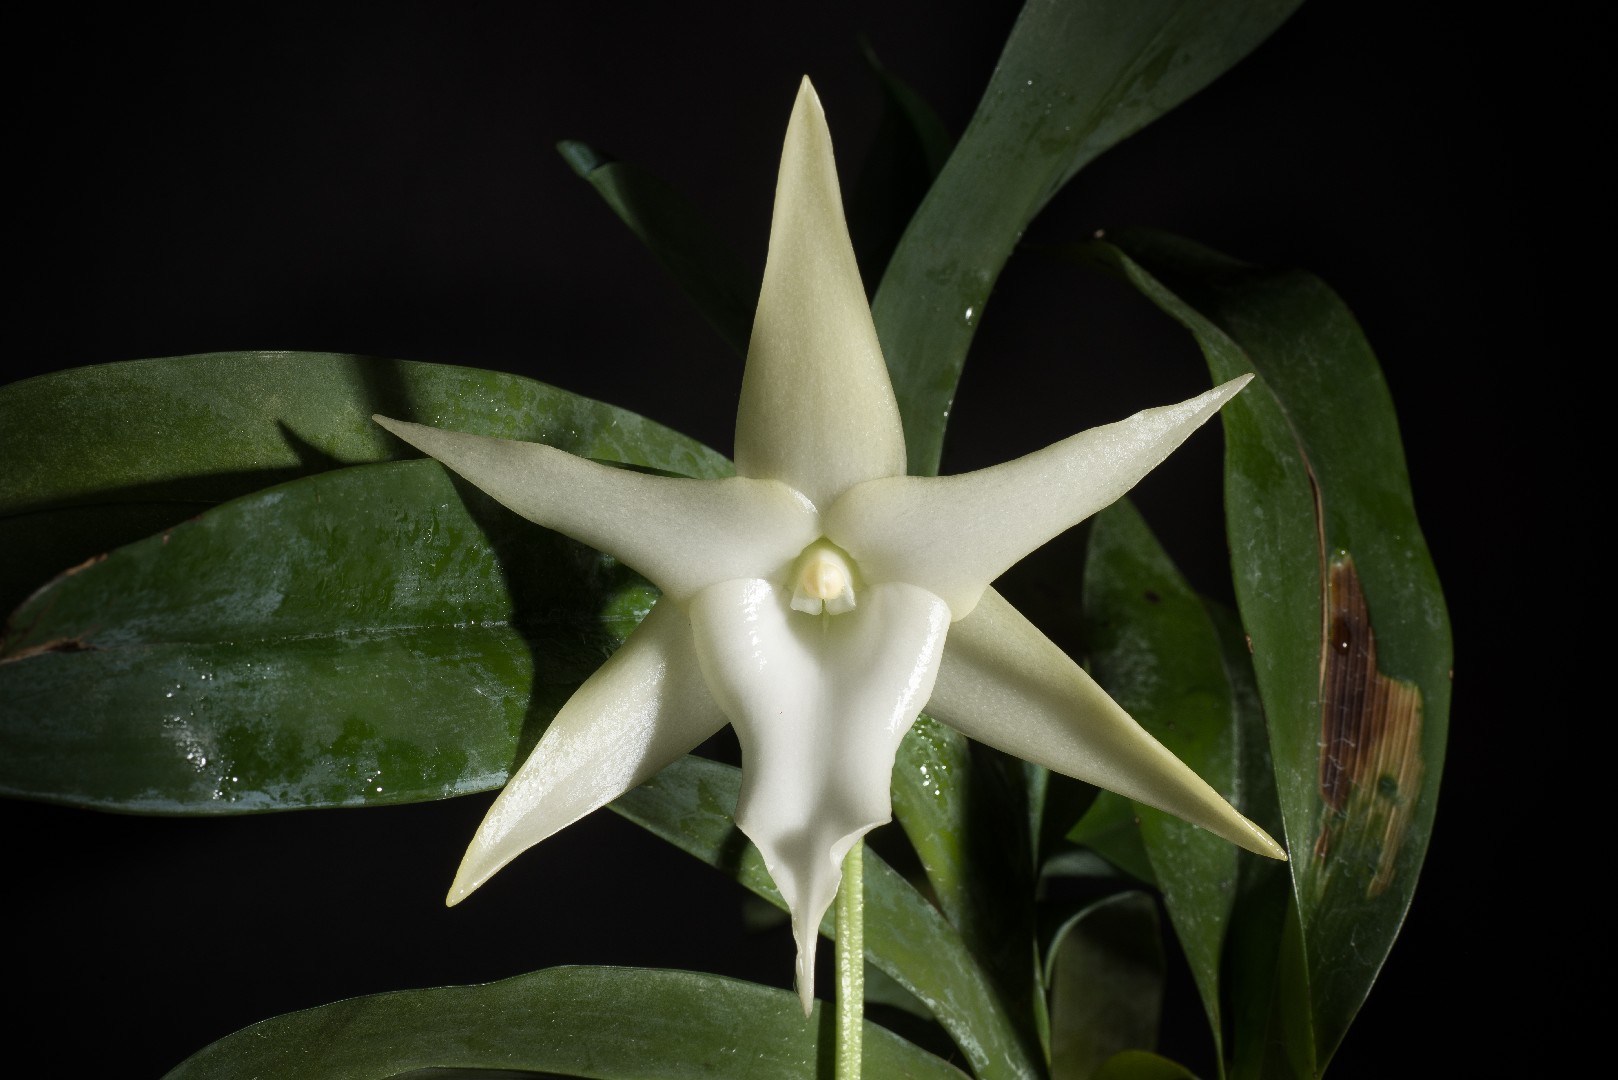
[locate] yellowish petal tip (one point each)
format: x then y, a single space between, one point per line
1263 843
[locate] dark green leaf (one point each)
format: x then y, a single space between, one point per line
1111 829
101 456
606 1023
931 780
1154 648
1076 77
369 635
690 803
1257 985
675 231
1349 635
910 147
1142 1065
964 810
1106 984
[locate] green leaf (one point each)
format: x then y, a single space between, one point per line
908 151
964 810
1111 829
1142 1065
1106 984
97 457
370 635
605 1023
690 804
1259 989
708 271
1075 78
1154 648
1349 635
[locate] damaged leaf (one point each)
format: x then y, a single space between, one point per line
1355 684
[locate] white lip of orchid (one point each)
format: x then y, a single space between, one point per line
898 565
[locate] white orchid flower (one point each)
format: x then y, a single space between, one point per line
821 598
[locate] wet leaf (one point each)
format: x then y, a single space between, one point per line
1074 79
964 810
1349 635
606 1023
369 635
97 457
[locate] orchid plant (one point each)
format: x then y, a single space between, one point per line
828 597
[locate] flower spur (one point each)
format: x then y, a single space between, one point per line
820 599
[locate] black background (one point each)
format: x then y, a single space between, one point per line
381 179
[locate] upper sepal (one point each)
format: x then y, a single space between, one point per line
817 408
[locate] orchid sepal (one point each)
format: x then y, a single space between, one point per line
955 534
999 666
817 407
644 708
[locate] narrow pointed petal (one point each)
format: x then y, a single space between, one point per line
819 703
1004 683
952 535
642 709
683 535
817 409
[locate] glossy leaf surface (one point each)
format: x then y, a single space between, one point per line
690 803
101 456
1074 79
1355 678
1155 650
369 635
602 1023
963 808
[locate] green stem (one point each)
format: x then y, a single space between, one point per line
851 963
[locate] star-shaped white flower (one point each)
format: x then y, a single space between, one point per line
821 598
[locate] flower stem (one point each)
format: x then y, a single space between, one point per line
851 963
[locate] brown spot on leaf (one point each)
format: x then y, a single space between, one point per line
1370 736
62 645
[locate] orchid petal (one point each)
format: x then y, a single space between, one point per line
952 535
642 709
683 535
820 704
1004 683
817 409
